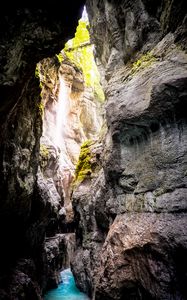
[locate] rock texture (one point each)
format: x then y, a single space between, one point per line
59 250
70 117
142 258
131 222
27 36
130 214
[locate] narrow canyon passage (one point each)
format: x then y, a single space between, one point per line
67 290
72 111
93 151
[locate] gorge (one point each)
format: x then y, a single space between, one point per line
98 185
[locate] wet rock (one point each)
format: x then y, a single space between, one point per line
143 254
22 283
27 36
138 204
59 250
91 226
48 192
70 118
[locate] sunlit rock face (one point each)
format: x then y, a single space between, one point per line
27 36
71 116
131 223
58 137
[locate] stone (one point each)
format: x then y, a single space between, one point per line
137 201
130 212
144 254
58 252
27 36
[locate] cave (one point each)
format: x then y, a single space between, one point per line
93 153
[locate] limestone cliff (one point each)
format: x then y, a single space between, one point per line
130 208
70 117
27 36
131 223
72 114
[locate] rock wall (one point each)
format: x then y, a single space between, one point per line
59 250
131 219
131 215
62 130
71 116
27 36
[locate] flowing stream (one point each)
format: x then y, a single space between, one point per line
66 290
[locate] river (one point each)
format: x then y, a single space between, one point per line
66 290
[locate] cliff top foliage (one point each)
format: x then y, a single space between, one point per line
79 50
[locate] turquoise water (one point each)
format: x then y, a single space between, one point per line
66 290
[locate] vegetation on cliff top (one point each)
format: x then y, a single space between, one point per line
79 50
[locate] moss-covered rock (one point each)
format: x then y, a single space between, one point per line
144 61
84 167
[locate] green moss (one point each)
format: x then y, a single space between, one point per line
143 62
60 57
41 85
44 156
41 108
86 144
44 152
37 73
84 167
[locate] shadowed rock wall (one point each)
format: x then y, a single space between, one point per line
131 223
27 36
